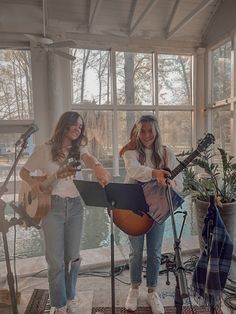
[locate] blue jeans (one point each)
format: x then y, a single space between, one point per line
154 240
62 229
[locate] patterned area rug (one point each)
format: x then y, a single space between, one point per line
147 310
39 304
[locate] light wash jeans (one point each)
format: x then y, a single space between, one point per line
154 240
62 229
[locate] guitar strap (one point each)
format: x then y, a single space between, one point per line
165 156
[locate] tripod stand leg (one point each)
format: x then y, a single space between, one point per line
112 265
178 298
10 278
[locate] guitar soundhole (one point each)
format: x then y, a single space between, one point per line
29 198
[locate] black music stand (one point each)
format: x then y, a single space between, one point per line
119 195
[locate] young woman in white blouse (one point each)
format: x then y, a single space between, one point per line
62 226
145 157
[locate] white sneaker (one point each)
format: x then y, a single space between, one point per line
61 310
154 301
131 303
73 306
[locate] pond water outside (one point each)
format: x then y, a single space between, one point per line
96 233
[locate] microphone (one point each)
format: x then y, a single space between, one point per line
32 129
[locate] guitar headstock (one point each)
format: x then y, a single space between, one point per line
68 169
205 142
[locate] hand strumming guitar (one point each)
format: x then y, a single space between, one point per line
35 183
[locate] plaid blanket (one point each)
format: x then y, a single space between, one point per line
210 275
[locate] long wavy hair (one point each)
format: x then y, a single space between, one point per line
158 151
67 119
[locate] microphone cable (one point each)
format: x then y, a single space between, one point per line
229 296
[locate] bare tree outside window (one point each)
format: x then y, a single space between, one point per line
174 80
134 78
15 85
221 117
91 77
221 72
134 83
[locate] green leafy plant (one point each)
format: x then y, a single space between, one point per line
216 178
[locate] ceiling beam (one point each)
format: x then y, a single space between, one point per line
170 21
133 44
95 6
189 17
143 14
210 20
132 13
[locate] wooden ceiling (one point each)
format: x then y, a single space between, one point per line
104 22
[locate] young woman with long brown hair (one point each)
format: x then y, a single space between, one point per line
62 226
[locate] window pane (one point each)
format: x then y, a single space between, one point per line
174 80
221 72
15 85
221 127
98 126
91 77
7 156
134 78
176 129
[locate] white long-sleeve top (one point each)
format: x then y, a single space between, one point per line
143 173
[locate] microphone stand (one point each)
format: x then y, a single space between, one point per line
181 289
4 227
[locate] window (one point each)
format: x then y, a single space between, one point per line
176 129
134 78
99 132
15 104
91 77
174 80
15 85
109 127
221 72
221 127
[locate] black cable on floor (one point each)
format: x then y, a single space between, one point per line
229 298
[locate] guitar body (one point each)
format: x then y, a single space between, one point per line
155 195
36 207
131 223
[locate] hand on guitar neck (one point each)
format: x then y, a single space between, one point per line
162 175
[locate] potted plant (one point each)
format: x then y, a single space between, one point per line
215 178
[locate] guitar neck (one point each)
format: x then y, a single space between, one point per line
183 164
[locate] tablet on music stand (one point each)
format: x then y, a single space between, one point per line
92 193
119 195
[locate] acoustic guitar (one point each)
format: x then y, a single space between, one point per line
37 206
133 224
